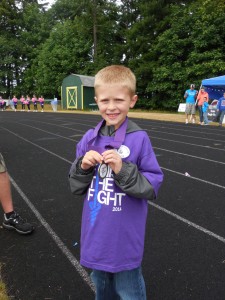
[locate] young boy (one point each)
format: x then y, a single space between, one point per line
205 107
117 172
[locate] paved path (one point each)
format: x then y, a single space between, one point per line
185 239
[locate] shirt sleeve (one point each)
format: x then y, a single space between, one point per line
141 178
79 179
133 183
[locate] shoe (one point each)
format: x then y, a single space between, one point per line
15 222
186 122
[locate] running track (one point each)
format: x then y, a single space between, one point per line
184 254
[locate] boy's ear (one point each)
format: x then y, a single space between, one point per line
96 100
133 101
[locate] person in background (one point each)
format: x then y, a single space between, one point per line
15 101
41 101
116 177
190 96
12 220
27 102
205 107
34 100
22 100
1 103
200 101
221 109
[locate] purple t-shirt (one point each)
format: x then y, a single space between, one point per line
113 223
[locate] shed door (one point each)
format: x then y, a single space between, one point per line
71 96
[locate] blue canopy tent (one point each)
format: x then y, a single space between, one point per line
215 86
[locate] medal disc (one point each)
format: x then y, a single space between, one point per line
103 170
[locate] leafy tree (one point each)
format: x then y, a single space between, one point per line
10 50
191 50
37 24
64 52
23 28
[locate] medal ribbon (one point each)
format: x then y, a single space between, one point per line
117 141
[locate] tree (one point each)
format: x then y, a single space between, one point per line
191 50
64 52
10 50
23 28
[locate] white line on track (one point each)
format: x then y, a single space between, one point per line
70 162
179 142
186 136
220 238
78 135
195 178
189 155
150 203
184 128
55 237
46 131
75 129
36 145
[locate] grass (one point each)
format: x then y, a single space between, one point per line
3 292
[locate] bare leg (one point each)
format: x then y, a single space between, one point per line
5 193
193 118
186 121
12 220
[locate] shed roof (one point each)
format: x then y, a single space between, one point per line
86 80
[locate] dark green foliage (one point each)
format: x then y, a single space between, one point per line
168 44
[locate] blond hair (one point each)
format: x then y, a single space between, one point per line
116 74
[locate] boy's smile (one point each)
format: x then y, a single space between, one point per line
114 102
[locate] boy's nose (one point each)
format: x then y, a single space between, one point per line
111 105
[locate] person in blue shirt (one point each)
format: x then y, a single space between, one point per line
205 107
190 96
221 109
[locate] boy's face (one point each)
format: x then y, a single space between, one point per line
114 103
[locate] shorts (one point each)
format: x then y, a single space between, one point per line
190 109
2 164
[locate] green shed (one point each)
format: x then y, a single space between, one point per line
77 92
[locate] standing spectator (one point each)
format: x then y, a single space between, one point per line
41 101
12 220
200 100
22 100
34 100
221 109
205 107
190 96
15 101
1 103
27 102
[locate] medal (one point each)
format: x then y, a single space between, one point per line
103 170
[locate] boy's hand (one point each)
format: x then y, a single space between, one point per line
113 159
90 159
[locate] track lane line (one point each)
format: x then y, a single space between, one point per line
74 262
198 227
